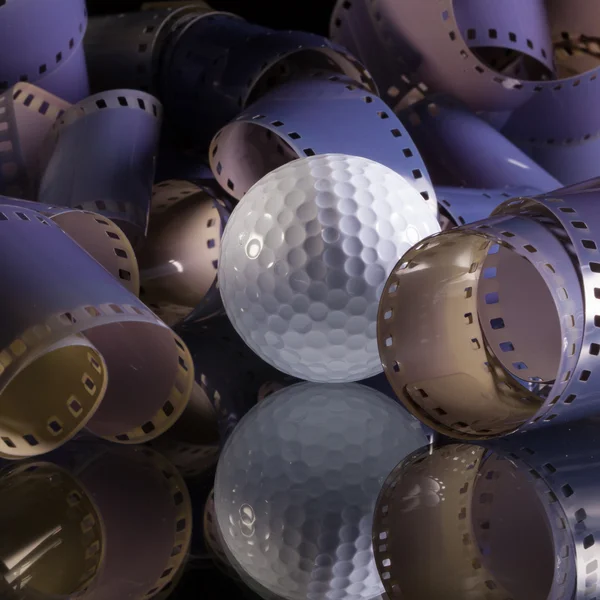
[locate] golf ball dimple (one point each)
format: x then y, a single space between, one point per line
317 236
297 483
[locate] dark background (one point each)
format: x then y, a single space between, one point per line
306 15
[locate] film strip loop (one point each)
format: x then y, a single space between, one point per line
477 502
115 173
222 63
431 54
77 334
50 56
524 37
180 258
280 128
26 115
49 518
513 291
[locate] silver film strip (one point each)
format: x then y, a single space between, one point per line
437 46
66 360
520 340
312 116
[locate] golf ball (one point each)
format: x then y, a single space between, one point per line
296 488
304 259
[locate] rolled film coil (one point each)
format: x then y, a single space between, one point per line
566 107
459 206
498 37
49 525
511 306
41 44
146 516
180 257
124 50
66 335
440 57
312 116
27 113
354 26
221 64
460 148
114 174
514 315
479 515
97 235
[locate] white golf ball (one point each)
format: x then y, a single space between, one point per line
297 484
304 259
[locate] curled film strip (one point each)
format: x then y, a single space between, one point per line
115 137
432 44
80 330
460 148
520 336
50 524
459 206
478 517
567 142
147 518
221 64
124 50
27 113
312 116
180 257
97 235
534 61
41 43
